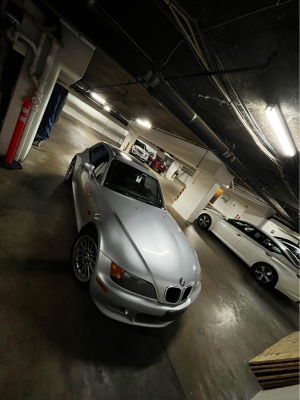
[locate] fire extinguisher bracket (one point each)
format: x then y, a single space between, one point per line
13 165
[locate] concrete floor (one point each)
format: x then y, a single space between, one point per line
54 342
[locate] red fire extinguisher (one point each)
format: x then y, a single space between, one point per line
7 161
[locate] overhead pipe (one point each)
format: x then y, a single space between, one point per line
14 35
32 67
261 67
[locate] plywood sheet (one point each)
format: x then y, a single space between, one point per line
286 349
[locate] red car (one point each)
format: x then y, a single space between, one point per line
156 163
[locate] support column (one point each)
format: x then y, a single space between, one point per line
173 167
196 195
129 140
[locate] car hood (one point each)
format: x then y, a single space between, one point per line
163 247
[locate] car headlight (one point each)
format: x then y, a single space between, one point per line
131 282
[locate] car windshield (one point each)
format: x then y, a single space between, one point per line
132 182
141 145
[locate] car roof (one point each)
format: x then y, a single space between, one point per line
128 159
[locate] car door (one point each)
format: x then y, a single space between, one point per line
249 247
256 246
94 191
228 231
99 158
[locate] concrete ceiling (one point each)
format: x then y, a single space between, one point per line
132 100
243 42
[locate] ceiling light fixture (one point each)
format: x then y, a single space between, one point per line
143 122
98 98
107 108
278 124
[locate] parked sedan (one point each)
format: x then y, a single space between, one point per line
270 260
136 261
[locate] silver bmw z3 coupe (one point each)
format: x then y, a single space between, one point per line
137 263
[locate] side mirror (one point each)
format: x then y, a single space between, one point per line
89 168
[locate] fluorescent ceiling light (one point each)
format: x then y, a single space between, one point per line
143 122
107 108
278 124
98 98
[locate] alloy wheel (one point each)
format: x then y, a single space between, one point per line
204 221
264 274
84 258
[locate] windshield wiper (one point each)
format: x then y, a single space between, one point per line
148 201
132 195
117 189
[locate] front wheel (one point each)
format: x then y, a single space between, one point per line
84 256
265 274
204 221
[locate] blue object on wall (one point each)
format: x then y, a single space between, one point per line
51 115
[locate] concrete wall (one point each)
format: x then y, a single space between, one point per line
229 206
174 166
250 207
94 119
253 215
183 177
196 195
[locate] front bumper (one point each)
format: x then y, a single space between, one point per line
139 156
131 308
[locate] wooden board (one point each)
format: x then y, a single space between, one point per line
277 377
286 349
286 365
274 370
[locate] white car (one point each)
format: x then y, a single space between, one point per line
140 151
272 264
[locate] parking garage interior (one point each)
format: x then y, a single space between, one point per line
127 72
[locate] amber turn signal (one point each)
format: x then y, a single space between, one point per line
116 271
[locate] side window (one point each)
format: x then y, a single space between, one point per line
266 242
242 226
98 154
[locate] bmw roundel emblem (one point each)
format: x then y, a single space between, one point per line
182 281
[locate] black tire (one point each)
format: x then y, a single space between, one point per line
85 245
149 163
265 275
204 221
69 174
